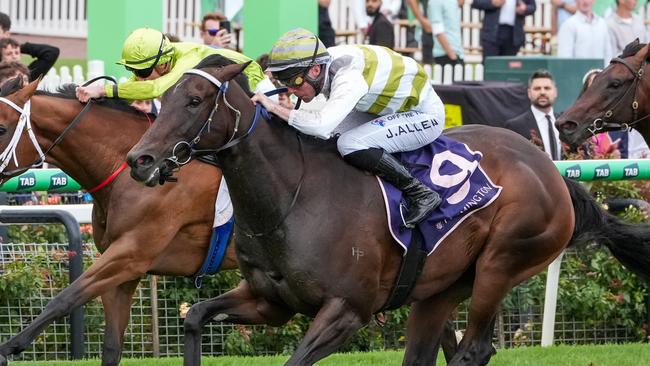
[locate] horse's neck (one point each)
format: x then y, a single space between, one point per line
263 173
94 148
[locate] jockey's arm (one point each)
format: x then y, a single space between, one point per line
348 87
149 89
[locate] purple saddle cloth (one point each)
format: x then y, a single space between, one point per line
451 169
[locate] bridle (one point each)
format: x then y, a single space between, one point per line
222 89
9 153
205 127
232 141
604 123
24 124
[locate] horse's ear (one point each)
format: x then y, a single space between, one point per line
230 71
26 92
647 52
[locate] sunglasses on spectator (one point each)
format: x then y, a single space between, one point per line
212 32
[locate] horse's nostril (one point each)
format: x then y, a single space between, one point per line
568 126
144 160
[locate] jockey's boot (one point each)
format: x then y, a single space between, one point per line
421 199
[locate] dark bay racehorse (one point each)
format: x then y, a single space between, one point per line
618 98
304 216
160 231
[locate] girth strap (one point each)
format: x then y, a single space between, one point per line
409 272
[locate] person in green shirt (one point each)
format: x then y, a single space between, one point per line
157 64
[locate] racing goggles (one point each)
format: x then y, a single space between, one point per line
291 78
141 73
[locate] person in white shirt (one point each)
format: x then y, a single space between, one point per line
625 26
391 8
585 35
565 9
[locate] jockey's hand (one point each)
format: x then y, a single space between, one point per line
266 102
271 106
85 93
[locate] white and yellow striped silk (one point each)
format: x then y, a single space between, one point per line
395 82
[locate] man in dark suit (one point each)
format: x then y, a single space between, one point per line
538 123
380 31
503 25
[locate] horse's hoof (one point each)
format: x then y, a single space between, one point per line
3 360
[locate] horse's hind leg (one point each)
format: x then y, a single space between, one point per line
238 305
335 322
428 323
117 309
495 276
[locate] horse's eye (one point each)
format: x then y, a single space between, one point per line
3 130
194 102
615 84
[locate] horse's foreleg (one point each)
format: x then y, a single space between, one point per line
335 322
238 305
117 309
114 267
428 324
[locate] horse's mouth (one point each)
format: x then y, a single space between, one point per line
150 180
569 132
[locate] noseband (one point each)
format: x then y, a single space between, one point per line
601 124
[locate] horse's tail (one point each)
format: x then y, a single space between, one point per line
629 243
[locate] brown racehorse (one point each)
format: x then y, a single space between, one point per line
138 230
303 213
618 98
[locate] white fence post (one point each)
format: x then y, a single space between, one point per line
469 72
447 74
550 301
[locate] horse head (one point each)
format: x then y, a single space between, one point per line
15 125
203 100
615 100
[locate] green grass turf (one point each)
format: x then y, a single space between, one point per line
601 355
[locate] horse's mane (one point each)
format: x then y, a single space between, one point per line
67 91
217 60
632 48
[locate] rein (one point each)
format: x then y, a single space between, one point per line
259 111
600 124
